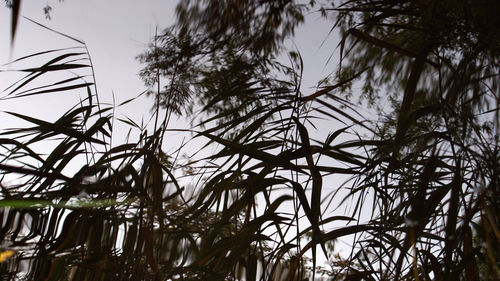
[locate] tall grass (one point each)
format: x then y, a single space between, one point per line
419 202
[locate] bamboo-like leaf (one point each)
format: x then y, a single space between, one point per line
337 233
317 185
265 157
53 90
50 127
328 89
55 67
16 5
27 171
60 33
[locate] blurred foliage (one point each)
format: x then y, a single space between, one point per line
421 197
221 48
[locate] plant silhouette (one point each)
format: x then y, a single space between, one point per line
422 180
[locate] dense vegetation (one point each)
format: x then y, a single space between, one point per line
419 198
